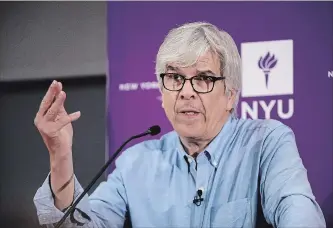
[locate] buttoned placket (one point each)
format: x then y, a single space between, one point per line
200 178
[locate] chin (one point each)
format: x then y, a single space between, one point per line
189 130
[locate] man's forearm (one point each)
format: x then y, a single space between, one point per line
62 181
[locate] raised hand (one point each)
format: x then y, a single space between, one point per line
53 122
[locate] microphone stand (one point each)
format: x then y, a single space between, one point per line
71 209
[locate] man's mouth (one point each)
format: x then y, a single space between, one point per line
189 113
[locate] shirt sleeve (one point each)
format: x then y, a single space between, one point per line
106 207
286 194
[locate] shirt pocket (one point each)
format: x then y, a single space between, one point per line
167 211
232 214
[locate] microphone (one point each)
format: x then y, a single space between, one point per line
197 199
154 130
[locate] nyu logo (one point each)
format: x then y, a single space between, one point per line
266 64
267 70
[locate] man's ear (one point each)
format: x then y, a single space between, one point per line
231 99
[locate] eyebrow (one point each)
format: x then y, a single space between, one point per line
172 68
206 72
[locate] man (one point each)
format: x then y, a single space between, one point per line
211 171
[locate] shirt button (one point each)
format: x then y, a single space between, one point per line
214 163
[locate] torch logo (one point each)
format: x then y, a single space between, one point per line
267 68
266 64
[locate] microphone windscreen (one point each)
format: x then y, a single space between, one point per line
154 130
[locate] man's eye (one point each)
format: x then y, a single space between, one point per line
205 78
177 77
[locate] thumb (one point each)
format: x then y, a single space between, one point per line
75 116
66 119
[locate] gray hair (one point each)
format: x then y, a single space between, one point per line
185 44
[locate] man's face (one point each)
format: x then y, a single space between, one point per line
192 114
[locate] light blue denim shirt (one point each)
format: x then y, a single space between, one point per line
154 184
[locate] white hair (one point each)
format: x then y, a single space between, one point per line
185 44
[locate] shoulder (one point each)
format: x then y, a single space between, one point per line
269 137
148 150
263 127
272 135
264 134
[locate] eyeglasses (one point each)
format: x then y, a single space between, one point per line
200 83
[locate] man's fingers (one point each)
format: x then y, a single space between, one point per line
75 116
60 86
62 111
53 111
63 121
48 98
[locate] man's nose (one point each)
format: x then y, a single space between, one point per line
187 92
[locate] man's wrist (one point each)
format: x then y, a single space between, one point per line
62 188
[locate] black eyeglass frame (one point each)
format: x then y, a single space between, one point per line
213 78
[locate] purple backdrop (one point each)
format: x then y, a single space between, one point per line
136 29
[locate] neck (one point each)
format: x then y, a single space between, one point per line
193 146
